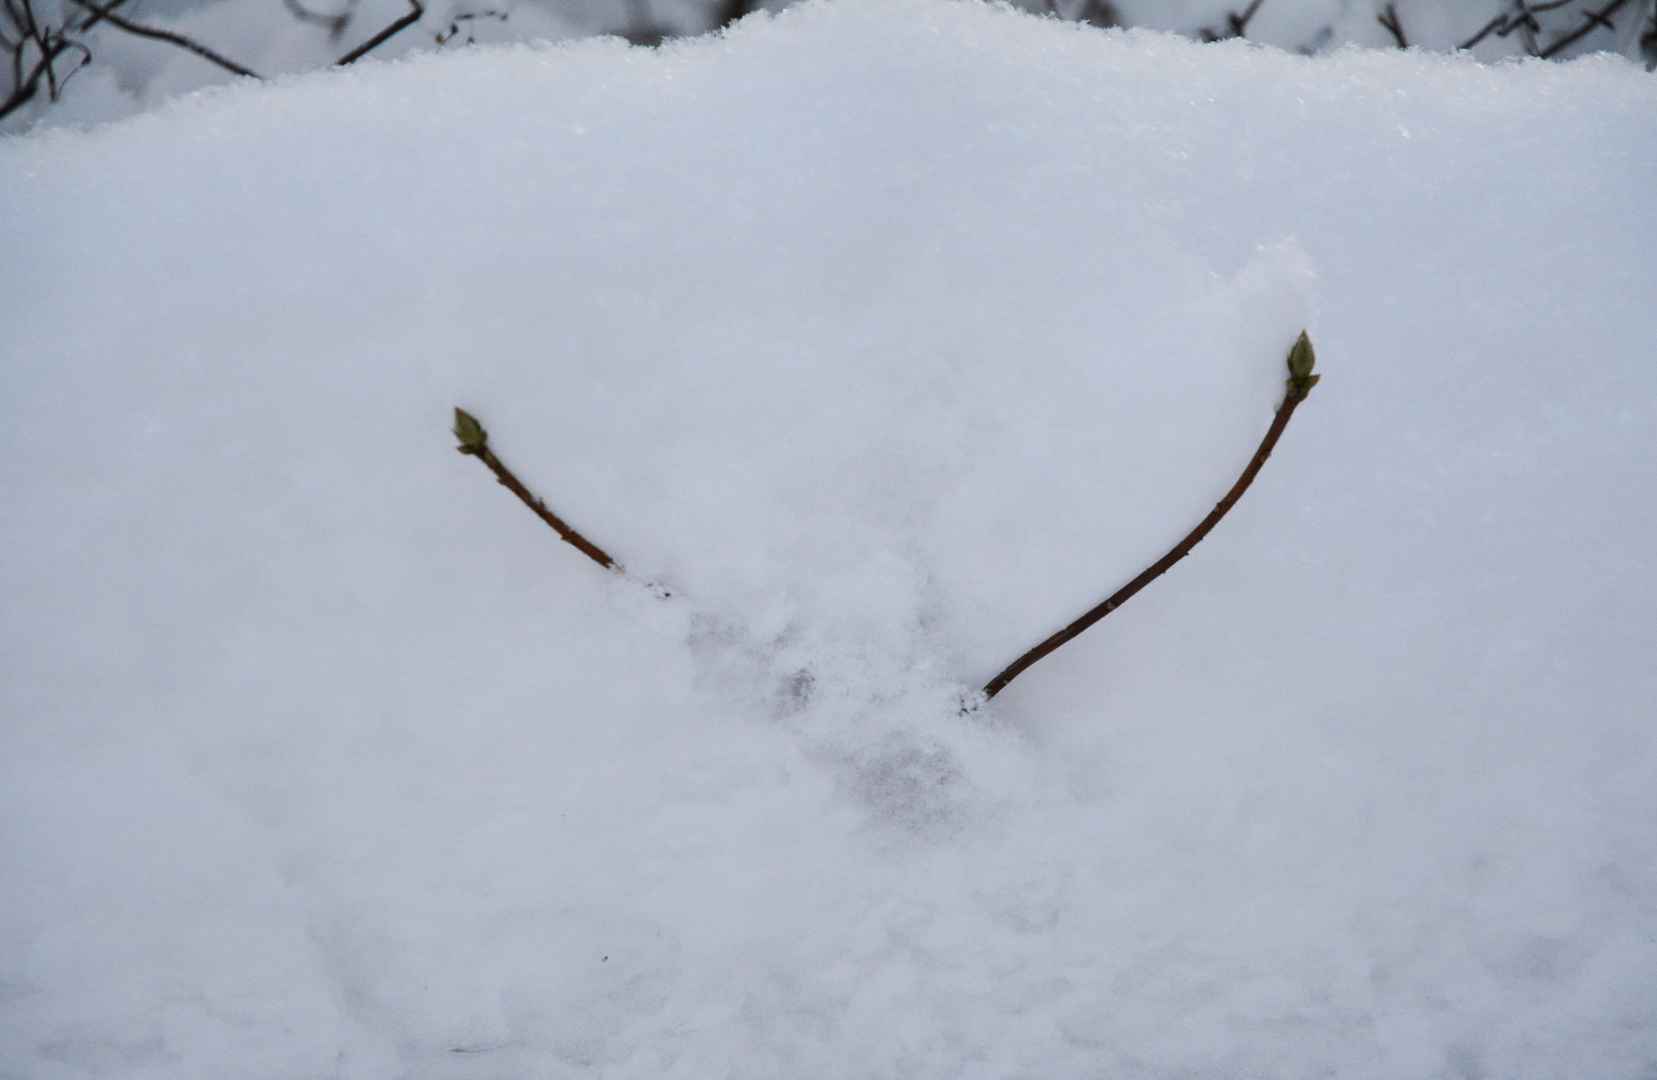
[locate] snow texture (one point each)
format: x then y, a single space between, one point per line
887 337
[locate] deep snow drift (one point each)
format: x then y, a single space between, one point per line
888 337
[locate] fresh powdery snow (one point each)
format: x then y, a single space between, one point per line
886 336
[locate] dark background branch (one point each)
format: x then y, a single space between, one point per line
1590 19
1236 24
107 14
416 10
1389 19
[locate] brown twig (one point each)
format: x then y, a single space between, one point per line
1590 19
107 14
50 42
1236 23
1523 19
416 10
475 441
1301 381
26 86
1389 19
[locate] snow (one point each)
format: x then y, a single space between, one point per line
887 337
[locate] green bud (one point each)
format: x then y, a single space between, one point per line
469 432
1301 358
1301 379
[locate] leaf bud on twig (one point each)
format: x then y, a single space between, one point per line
1301 359
470 433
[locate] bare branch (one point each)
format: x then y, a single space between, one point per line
1301 381
49 43
107 14
26 87
1484 32
1389 19
1236 24
416 10
1590 19
475 441
1523 19
96 15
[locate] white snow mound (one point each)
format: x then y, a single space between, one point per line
887 337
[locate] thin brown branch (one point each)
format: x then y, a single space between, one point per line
1239 23
107 14
416 10
1301 381
1590 19
1389 19
1485 31
24 87
1236 23
1523 20
97 15
475 441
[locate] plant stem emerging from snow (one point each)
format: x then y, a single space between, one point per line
1301 381
1395 26
475 441
415 12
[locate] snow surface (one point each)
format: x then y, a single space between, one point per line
887 337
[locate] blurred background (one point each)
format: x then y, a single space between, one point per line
86 61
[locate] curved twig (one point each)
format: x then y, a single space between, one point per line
1301 381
